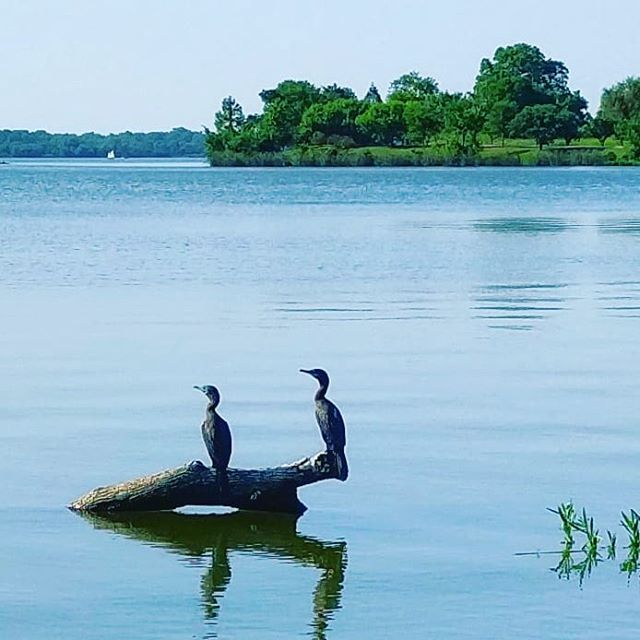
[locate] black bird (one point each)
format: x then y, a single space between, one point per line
216 434
330 422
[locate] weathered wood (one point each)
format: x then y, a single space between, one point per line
272 489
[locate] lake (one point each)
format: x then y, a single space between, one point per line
480 327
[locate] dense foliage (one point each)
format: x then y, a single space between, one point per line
519 93
40 144
524 94
620 113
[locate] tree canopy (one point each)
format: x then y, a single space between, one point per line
537 121
520 76
179 142
412 86
230 117
620 110
519 92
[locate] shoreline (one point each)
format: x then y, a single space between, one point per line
490 155
202 163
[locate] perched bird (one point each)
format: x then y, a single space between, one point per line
216 434
330 422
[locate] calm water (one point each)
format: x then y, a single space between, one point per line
481 329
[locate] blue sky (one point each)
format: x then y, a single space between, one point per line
79 65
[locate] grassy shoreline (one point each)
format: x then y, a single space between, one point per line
514 153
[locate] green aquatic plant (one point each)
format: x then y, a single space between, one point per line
630 564
571 523
574 524
631 524
583 568
566 565
585 525
611 545
567 514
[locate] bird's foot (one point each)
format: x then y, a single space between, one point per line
298 463
324 462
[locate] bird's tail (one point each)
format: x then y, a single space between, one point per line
222 480
341 465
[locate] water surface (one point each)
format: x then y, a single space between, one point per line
480 327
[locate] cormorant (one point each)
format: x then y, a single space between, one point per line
330 422
216 434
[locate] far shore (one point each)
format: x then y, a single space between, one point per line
513 153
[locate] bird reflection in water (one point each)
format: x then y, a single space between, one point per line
197 536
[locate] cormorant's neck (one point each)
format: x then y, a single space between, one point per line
211 407
321 392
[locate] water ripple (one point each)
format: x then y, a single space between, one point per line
518 301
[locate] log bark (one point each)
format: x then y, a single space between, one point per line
271 489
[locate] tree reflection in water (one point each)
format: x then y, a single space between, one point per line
273 535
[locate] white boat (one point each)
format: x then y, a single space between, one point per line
111 155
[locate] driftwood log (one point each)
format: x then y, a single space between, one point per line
271 489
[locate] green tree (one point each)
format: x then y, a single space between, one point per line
540 122
464 120
381 123
423 119
568 125
499 116
601 128
520 76
228 124
335 118
633 136
336 92
230 117
521 73
277 127
178 142
575 104
622 100
412 86
620 104
283 109
290 91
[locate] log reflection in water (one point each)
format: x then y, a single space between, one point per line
273 535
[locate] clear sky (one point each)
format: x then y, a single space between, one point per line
141 65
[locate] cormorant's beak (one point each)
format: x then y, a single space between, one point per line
195 386
306 371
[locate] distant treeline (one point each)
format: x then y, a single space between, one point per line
521 99
178 142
